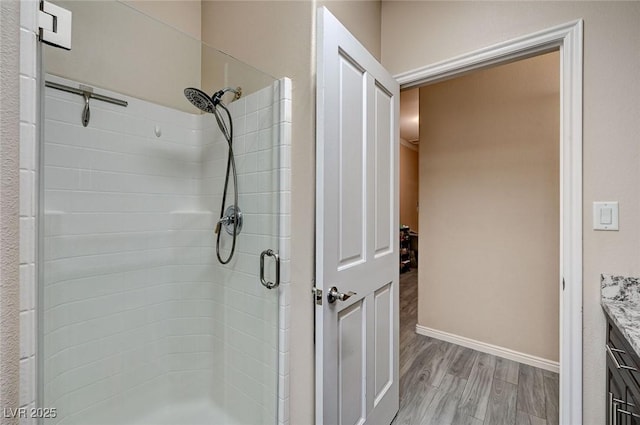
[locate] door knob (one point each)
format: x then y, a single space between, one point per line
334 295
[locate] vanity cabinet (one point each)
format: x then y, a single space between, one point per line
623 379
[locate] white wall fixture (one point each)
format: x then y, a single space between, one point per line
605 215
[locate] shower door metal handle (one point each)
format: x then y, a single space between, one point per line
265 283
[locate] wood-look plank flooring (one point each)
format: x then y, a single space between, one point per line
446 384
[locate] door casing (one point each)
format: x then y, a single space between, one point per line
568 39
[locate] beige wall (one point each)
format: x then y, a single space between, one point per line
490 192
183 15
281 42
9 210
139 56
220 70
415 34
409 187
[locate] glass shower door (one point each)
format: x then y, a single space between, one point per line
139 322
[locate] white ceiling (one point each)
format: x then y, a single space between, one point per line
409 115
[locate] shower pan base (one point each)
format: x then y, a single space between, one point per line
197 412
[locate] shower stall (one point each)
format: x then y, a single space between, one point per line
162 231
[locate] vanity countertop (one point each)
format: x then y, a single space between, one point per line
621 301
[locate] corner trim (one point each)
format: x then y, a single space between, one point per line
494 350
498 54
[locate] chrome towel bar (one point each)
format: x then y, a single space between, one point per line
87 93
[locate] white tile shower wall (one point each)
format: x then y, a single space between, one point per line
249 327
132 316
28 191
123 256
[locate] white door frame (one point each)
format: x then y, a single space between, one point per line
568 39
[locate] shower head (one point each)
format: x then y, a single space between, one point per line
202 101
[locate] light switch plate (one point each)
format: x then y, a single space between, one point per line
605 216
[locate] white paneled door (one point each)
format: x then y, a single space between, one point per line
356 232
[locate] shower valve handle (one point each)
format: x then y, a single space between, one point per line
232 221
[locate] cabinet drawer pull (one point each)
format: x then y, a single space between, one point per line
626 403
627 413
615 361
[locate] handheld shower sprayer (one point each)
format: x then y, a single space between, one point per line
231 217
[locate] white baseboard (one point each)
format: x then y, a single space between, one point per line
495 350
